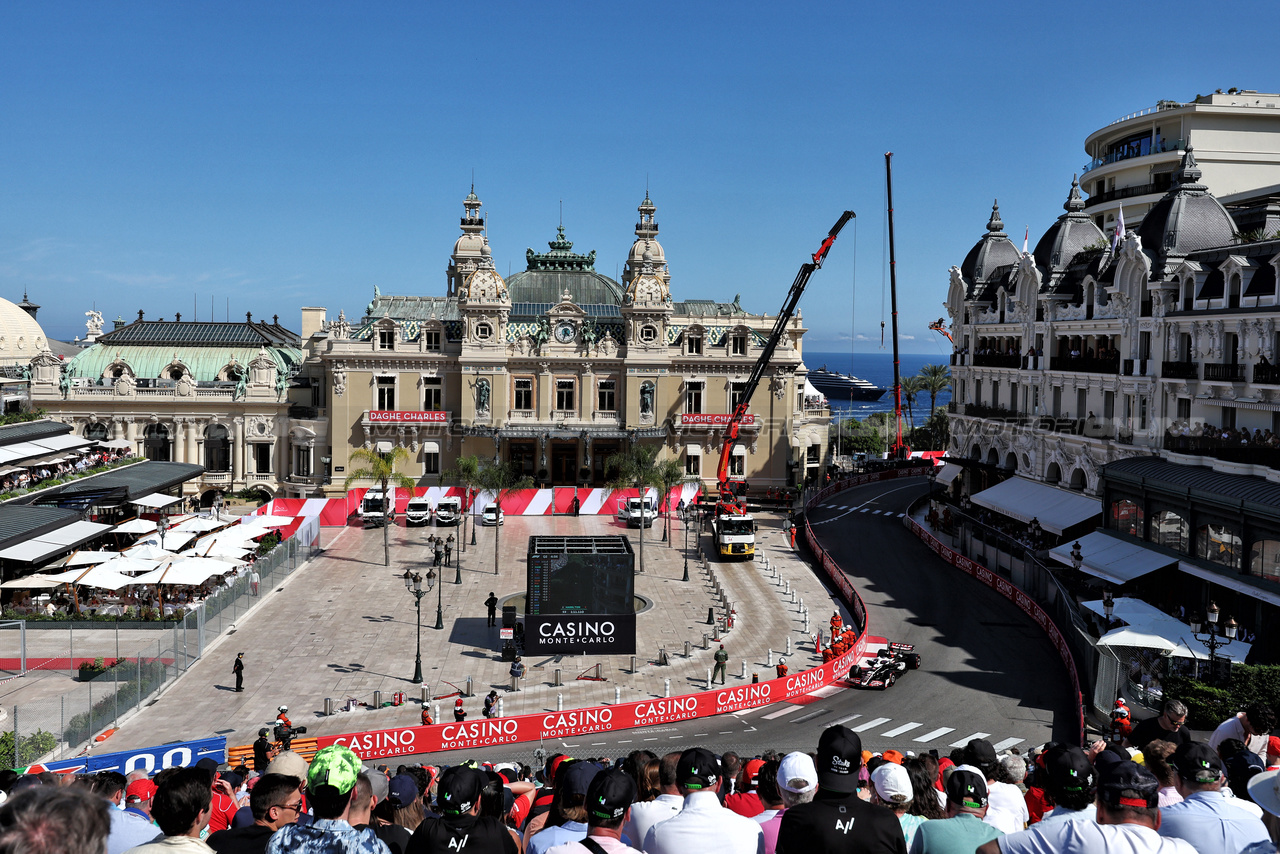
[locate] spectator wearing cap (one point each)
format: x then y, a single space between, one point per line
460 829
399 812
609 798
797 780
571 784
1128 818
745 801
1206 818
331 782
963 830
1169 725
181 807
1006 807
1252 726
223 803
891 788
646 814
703 825
263 751
137 798
824 824
1070 785
1240 764
127 830
545 797
275 801
47 818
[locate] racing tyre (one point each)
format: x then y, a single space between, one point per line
888 683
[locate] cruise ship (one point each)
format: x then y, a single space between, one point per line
837 386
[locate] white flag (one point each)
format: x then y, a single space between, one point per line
1025 235
1119 235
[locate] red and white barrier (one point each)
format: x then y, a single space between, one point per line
410 740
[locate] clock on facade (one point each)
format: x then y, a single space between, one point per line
565 332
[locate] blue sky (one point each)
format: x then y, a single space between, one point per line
260 157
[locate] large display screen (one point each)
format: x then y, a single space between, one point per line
573 583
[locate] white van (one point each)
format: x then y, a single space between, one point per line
449 511
418 511
374 509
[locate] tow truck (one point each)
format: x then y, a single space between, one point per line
732 527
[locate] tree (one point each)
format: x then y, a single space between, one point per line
671 474
466 474
911 386
381 468
500 478
934 379
636 466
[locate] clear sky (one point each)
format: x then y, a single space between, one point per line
258 157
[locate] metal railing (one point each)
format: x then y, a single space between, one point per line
997 360
1266 374
1224 373
1180 370
56 727
1084 365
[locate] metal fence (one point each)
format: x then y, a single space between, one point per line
57 727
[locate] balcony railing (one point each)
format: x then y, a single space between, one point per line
260 477
1266 374
996 360
1084 365
1224 373
1180 370
1160 146
1135 367
1218 449
1124 193
216 477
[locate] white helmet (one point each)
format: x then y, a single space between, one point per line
782 660
283 709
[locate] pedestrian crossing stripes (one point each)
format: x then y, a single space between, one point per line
899 730
968 738
871 724
935 735
1007 743
908 729
783 711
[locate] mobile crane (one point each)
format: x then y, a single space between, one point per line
732 528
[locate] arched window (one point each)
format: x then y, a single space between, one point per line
1264 559
175 373
1170 530
96 431
993 457
1126 517
217 448
1011 461
1053 473
155 444
1077 479
1218 544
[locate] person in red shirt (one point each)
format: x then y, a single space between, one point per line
223 807
782 667
746 801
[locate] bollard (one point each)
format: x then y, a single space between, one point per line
716 633
770 660
633 664
708 678
706 641
328 706
663 661
499 707
788 644
558 681
666 687
436 718
806 624
802 604
377 699
515 684
786 586
688 649
617 695
793 597
711 616
470 692
743 675
426 694
559 702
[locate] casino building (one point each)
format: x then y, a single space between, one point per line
559 366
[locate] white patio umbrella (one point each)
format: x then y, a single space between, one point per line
95 576
135 526
130 565
88 558
147 551
200 524
266 521
184 572
31 582
172 540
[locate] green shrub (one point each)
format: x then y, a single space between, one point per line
81 727
30 748
1209 705
269 542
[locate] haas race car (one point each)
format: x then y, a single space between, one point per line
883 670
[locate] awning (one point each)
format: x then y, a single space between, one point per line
136 526
171 540
948 473
430 447
21 451
156 499
68 442
1151 628
693 450
1233 583
1055 509
75 533
31 551
1112 559
116 443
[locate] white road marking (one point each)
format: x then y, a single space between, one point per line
597 743
899 730
935 735
625 741
871 724
675 736
742 713
783 711
655 738
1007 743
844 720
968 738
901 515
864 504
828 691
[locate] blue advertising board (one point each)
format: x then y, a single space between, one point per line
150 759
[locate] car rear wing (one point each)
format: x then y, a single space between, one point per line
902 647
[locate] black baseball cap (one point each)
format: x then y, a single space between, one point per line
1069 769
980 754
839 758
967 788
459 789
609 795
1128 784
1197 762
578 776
697 769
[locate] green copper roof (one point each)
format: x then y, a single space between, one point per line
561 256
204 362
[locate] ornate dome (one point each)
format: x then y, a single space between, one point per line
1069 235
550 274
1188 218
21 337
485 284
993 251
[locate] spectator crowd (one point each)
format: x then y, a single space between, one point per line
1158 790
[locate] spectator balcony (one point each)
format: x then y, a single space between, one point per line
1136 367
1225 450
1084 365
1180 370
1224 373
997 360
1266 374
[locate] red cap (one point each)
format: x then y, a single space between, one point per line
139 791
893 756
752 774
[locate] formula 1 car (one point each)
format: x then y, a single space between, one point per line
883 670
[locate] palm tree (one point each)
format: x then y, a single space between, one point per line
381 467
637 466
500 478
466 474
671 474
934 379
911 386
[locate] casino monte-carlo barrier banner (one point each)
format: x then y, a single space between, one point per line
416 740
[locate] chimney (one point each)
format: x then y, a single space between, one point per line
312 321
117 323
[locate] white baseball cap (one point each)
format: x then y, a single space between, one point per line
797 766
893 783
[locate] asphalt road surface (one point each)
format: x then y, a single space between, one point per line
987 672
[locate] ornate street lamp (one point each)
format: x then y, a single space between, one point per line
686 544
1213 634
1077 558
413 583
